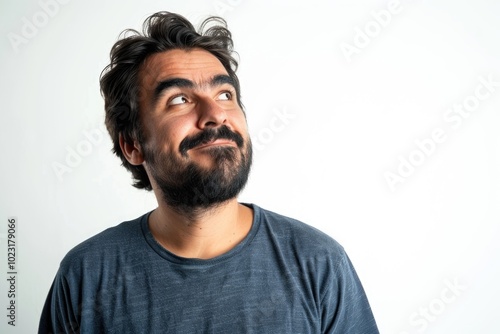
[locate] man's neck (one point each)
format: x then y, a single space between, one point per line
207 235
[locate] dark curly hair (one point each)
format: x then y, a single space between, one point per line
161 32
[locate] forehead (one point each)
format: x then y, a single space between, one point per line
196 65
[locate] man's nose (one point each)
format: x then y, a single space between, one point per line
211 114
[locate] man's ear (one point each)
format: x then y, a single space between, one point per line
132 152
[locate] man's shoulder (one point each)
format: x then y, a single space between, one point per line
298 234
108 242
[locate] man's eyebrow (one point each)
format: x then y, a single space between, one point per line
171 83
222 79
165 85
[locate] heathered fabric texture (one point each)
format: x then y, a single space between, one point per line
284 277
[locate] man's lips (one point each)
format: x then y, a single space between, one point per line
222 136
217 142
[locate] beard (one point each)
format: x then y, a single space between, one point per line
191 189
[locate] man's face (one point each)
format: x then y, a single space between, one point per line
196 148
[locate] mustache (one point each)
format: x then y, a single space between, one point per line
208 135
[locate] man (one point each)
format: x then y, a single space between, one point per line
201 262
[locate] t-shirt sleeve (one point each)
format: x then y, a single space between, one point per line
345 307
58 314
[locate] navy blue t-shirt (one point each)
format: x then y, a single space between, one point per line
284 277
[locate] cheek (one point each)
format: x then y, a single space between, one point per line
172 133
242 126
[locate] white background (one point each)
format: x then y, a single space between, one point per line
351 119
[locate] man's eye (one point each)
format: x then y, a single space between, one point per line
178 100
226 96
